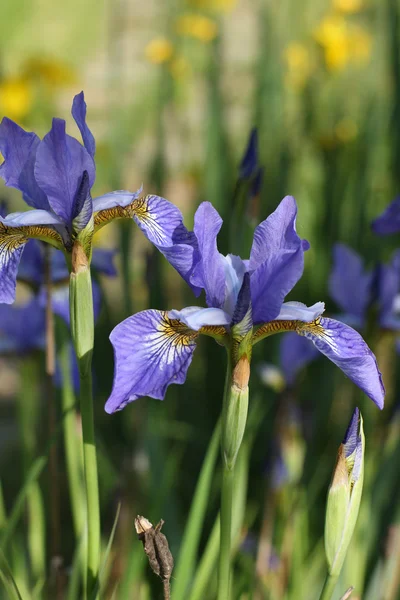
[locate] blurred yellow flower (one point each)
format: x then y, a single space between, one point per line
299 65
15 98
179 67
54 73
214 5
343 42
197 26
348 6
346 130
158 51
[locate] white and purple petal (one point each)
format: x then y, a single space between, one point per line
210 270
79 115
196 318
276 260
11 248
162 224
349 283
346 348
150 354
60 163
31 217
297 311
389 221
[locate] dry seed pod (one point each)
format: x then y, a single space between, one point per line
156 547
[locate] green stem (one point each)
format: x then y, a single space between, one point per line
82 329
329 587
225 535
91 481
72 437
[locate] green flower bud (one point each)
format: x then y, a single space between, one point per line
235 412
344 495
81 307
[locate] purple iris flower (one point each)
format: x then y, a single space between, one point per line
389 221
155 348
55 176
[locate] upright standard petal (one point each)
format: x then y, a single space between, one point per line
60 163
295 352
82 209
11 248
162 224
151 351
19 150
209 272
346 348
389 221
349 283
79 114
276 261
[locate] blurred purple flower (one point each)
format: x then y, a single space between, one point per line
389 221
155 348
249 165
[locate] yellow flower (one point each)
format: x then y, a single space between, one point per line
15 98
343 42
347 6
179 67
197 26
299 65
346 130
214 5
158 51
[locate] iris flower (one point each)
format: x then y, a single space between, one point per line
55 176
154 348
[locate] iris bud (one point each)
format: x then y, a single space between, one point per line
344 495
234 422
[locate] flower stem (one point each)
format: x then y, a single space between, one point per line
82 329
225 535
72 436
329 587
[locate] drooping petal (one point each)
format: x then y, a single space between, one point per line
22 328
297 311
296 352
209 272
11 248
349 283
196 318
151 352
162 224
60 163
103 261
19 150
276 260
79 114
346 348
389 221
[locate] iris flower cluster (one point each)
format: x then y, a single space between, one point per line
244 297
